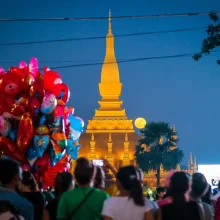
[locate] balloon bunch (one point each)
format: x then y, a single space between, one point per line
36 127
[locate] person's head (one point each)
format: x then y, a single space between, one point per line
129 181
160 192
28 181
207 197
8 211
99 178
10 174
168 178
199 186
179 186
84 172
63 183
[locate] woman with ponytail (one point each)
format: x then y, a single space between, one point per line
85 201
63 183
130 204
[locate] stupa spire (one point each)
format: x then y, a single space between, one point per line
194 165
110 137
110 72
92 148
109 23
110 86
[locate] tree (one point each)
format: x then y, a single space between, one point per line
213 39
157 147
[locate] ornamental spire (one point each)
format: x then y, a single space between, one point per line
109 22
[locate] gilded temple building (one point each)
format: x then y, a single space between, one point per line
110 133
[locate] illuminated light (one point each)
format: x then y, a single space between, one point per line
140 123
211 173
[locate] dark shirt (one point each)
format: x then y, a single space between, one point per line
37 200
187 211
52 208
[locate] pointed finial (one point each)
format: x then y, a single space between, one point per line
92 137
110 137
109 22
195 165
126 136
190 159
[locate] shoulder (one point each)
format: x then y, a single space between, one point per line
112 203
21 202
151 204
113 199
207 207
67 194
24 201
101 193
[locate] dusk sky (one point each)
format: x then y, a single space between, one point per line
180 91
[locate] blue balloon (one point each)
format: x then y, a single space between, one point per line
13 134
31 153
40 143
76 127
72 150
42 120
75 123
56 156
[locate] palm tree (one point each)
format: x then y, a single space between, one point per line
158 147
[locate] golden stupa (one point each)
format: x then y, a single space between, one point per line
110 134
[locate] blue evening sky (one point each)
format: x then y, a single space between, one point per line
180 91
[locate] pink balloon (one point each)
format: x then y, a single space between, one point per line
1 70
48 104
5 126
22 65
33 66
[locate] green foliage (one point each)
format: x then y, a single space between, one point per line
213 39
158 146
149 192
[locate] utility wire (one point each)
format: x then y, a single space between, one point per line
105 18
127 60
80 61
102 37
56 61
122 61
119 61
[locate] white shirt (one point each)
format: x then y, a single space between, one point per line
124 208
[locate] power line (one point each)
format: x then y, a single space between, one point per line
55 61
128 60
80 61
105 18
119 61
122 61
102 37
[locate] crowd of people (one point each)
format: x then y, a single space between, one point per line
88 193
